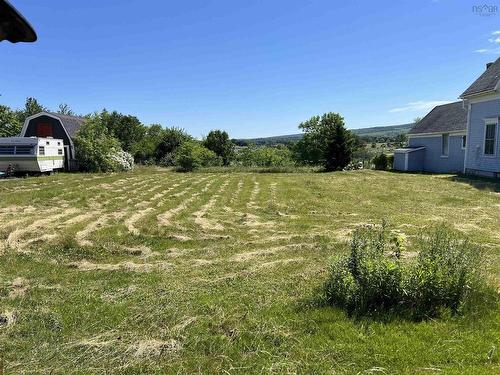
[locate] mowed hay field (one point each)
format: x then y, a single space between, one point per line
160 272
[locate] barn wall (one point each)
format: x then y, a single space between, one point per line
58 130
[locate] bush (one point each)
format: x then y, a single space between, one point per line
266 157
123 161
390 161
377 277
380 162
97 150
191 155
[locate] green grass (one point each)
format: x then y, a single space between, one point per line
162 272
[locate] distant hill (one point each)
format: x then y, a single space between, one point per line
374 131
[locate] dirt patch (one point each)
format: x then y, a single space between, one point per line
154 348
122 266
8 318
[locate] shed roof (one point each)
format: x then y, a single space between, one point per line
71 123
486 81
443 118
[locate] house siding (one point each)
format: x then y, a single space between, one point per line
416 160
476 161
432 159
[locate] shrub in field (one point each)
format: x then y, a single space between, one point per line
96 149
123 161
267 157
447 271
192 155
380 162
376 278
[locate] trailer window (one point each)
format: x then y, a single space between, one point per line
59 151
23 150
6 150
41 150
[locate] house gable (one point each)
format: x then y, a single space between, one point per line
487 83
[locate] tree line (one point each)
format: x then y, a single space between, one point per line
110 136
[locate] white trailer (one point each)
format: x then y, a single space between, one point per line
31 154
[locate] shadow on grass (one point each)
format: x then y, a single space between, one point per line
483 303
480 183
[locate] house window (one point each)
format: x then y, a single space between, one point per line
489 139
464 142
41 150
444 145
43 130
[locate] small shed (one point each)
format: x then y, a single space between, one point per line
55 125
409 159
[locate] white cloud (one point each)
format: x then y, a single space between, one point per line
495 39
489 51
421 105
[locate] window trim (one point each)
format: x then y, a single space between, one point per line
443 155
490 121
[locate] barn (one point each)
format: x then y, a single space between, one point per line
55 125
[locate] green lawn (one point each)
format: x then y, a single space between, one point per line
160 272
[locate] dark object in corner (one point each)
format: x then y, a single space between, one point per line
13 26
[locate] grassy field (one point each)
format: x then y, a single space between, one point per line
160 272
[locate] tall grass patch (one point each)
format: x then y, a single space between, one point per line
443 271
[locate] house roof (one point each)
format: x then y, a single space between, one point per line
486 81
443 118
71 123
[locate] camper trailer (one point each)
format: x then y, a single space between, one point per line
31 155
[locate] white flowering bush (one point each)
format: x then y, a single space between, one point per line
98 151
121 160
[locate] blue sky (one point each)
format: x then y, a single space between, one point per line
253 67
